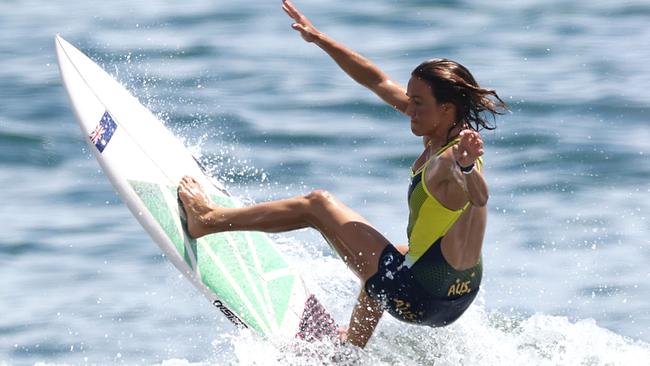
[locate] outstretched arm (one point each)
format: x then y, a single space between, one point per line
359 68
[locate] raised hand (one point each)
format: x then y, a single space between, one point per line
307 30
469 148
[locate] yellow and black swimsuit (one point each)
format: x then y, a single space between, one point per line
422 287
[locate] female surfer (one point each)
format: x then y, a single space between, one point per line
434 279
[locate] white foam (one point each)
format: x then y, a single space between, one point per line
479 337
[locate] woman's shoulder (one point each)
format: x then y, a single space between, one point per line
446 159
440 167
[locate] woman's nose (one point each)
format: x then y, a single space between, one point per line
410 111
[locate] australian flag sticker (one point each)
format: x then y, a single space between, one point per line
103 132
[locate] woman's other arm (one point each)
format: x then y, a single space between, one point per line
359 68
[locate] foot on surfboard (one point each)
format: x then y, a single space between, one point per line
197 206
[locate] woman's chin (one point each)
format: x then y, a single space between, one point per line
416 132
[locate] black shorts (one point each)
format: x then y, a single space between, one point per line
402 296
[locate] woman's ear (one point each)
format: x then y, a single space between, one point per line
449 107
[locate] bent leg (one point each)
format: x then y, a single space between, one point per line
354 239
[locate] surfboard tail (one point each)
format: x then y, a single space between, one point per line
316 323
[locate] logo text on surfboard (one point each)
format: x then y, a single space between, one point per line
229 314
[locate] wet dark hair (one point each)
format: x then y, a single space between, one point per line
451 82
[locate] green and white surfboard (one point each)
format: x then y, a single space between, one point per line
241 273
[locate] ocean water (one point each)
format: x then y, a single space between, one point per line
566 249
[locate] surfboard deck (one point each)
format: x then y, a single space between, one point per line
241 273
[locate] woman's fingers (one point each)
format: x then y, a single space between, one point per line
460 153
469 148
291 10
288 8
302 24
471 140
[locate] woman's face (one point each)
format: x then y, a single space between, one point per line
428 117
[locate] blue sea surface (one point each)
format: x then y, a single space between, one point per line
566 251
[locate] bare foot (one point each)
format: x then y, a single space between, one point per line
200 210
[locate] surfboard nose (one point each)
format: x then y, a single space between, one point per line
58 40
59 44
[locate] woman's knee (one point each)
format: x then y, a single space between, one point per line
320 201
319 197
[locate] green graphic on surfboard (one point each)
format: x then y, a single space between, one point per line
236 265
